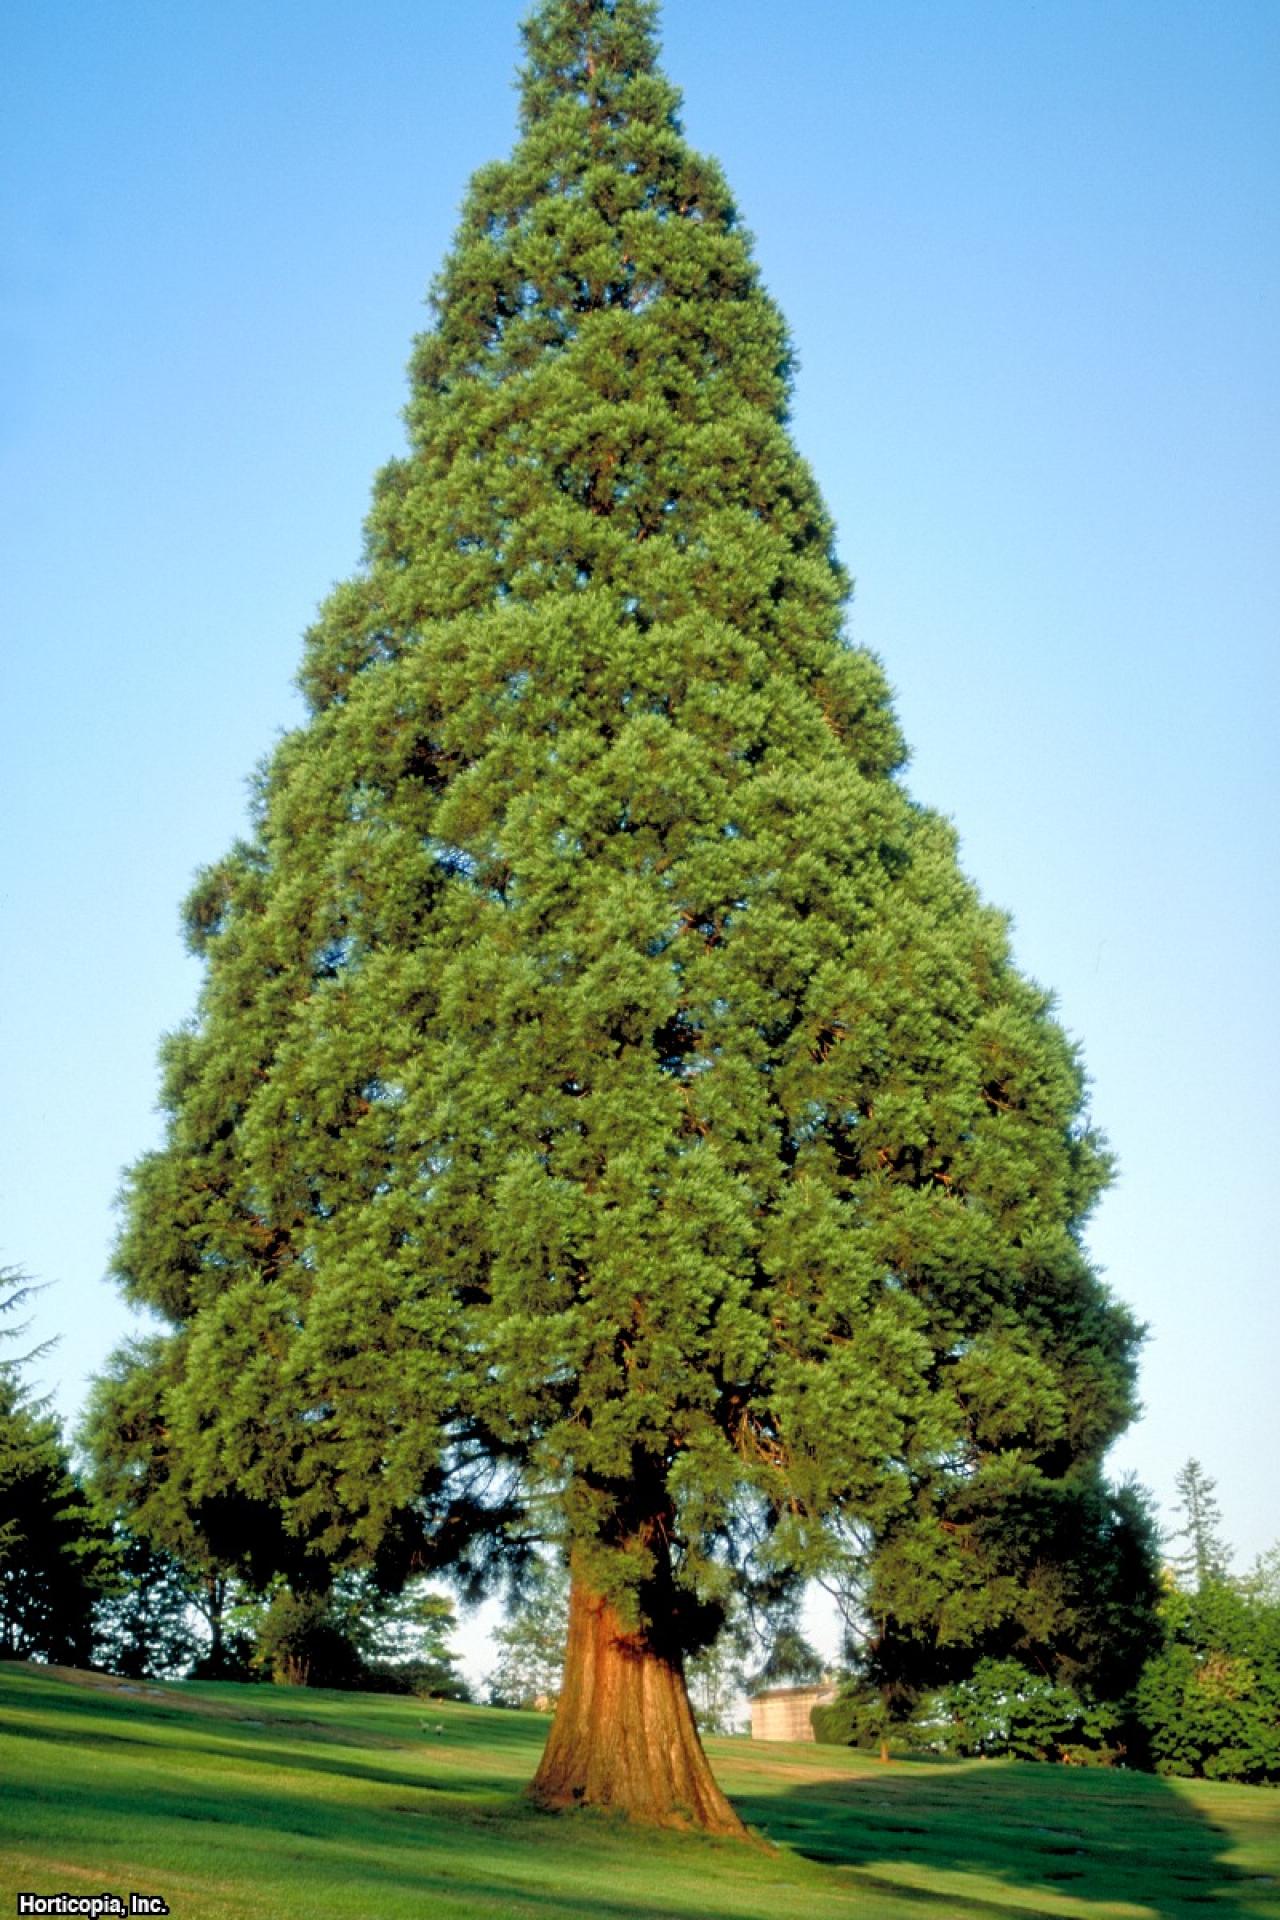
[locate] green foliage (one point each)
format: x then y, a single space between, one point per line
143 1620
403 1639
126 1440
610 1116
530 1643
1019 1627
301 1641
351 1634
1262 1582
1002 1709
861 1716
1210 1699
717 1677
51 1549
789 1659
1060 1577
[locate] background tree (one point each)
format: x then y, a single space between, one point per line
143 1624
775 1626
300 1625
717 1678
611 1118
530 1644
162 1534
300 1640
1208 1701
1060 1576
51 1550
350 1634
1005 1709
404 1638
1205 1557
1263 1578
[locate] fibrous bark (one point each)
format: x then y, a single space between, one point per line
623 1735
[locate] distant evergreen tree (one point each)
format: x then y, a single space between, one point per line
301 1640
718 1680
789 1660
1060 1574
611 1116
404 1639
51 1551
1205 1556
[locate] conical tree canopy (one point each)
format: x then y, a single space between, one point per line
611 1116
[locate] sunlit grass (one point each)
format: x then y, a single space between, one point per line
235 1802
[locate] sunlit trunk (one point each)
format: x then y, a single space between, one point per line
623 1735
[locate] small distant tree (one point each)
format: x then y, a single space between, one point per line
403 1639
871 1713
717 1677
790 1660
162 1541
301 1641
1204 1557
531 1642
351 1634
1262 1582
51 1550
143 1625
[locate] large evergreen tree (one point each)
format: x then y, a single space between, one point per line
611 1117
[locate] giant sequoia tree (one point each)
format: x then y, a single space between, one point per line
611 1117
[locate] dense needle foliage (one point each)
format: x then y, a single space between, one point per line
611 1116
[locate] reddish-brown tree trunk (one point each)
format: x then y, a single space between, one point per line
623 1735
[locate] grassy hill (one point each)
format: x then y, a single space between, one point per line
237 1802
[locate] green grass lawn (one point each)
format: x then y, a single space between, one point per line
257 1801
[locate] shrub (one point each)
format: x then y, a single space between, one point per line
1002 1708
1209 1701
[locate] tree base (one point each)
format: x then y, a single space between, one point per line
623 1736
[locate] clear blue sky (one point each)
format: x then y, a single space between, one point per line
1029 255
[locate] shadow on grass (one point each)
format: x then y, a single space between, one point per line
355 1861
226 1750
263 1802
1106 1836
307 1855
258 1803
395 1721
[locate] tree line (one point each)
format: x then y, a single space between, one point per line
93 1573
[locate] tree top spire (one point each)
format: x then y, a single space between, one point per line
585 50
